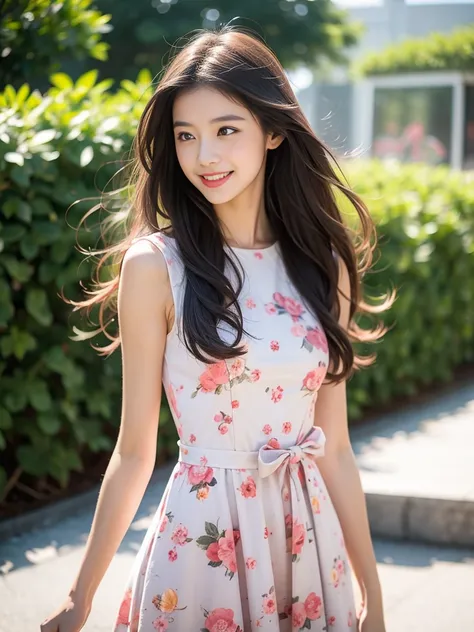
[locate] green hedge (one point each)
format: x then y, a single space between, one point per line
438 51
35 35
59 400
425 222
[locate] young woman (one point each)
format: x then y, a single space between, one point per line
237 290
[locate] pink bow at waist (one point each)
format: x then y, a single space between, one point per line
266 460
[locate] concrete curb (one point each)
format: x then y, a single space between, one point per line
428 520
48 515
66 508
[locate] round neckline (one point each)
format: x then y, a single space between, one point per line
236 248
264 249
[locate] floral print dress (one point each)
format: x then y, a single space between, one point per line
245 537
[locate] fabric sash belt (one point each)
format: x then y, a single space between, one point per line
266 460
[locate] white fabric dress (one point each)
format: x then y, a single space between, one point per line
245 537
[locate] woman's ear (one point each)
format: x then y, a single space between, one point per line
274 140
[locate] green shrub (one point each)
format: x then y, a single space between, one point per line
438 51
425 223
60 401
36 34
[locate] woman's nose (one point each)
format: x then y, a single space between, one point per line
208 154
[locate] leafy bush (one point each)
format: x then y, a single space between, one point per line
35 34
60 401
310 33
438 51
425 223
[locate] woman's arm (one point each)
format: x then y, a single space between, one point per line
143 292
341 475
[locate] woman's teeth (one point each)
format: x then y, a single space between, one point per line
219 177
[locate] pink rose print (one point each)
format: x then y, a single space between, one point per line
180 535
315 338
298 615
218 376
172 555
220 620
332 621
255 375
269 604
270 309
267 429
258 255
299 331
213 378
250 303
251 563
192 438
248 489
201 477
170 396
212 552
124 611
298 538
226 551
313 380
288 305
235 403
274 345
160 624
266 533
286 428
350 620
220 547
164 522
313 606
200 474
223 420
277 394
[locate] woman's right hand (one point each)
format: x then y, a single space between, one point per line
71 616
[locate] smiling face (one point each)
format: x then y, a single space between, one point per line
215 135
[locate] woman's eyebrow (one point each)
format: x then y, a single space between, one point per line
219 119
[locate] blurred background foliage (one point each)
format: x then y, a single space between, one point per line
65 135
436 52
66 142
305 32
36 36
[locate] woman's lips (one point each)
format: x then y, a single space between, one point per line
212 184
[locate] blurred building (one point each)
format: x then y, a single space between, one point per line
426 117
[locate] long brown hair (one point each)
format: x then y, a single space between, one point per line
301 188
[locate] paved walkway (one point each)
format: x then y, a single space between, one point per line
417 470
39 568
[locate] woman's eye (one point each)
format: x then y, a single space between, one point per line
227 128
181 134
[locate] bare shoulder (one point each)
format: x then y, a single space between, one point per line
144 254
144 279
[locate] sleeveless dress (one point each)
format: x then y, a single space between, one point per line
245 537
